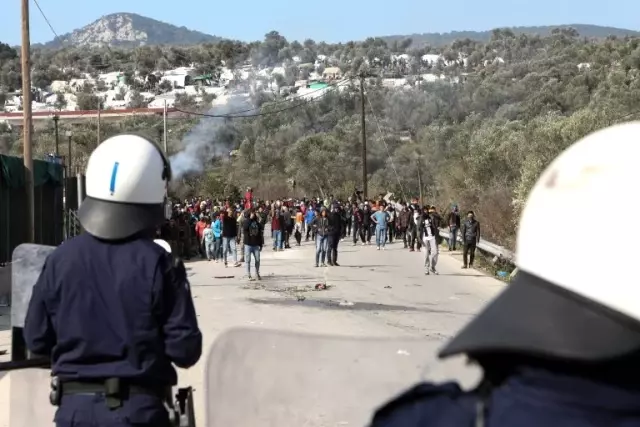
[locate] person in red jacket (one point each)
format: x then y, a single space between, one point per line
248 198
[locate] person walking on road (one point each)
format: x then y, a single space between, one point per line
253 242
428 231
454 225
321 227
335 233
380 218
471 235
208 241
229 234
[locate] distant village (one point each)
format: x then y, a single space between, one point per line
116 94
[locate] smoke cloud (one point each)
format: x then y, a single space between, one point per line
202 143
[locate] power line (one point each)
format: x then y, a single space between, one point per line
384 140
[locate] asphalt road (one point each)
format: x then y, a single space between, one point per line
380 321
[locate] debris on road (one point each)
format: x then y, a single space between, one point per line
321 287
403 352
223 277
301 297
346 303
387 287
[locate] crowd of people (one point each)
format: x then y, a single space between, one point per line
232 232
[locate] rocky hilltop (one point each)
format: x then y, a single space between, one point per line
130 30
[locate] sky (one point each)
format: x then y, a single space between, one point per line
328 20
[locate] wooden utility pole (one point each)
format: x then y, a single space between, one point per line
27 125
98 133
364 140
164 127
56 118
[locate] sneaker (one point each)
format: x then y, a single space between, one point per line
226 265
433 270
464 266
426 272
324 265
355 244
335 264
384 248
251 279
258 276
317 265
378 248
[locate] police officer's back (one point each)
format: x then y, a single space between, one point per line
112 308
560 347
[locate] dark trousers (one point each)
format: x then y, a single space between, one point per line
311 232
347 228
357 231
365 233
332 250
469 251
392 232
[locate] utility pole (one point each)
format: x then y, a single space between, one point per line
364 140
27 124
420 182
164 127
56 118
98 133
69 170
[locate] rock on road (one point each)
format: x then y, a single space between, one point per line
371 294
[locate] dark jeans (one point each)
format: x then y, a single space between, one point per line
469 252
357 232
347 228
392 231
311 232
332 249
453 238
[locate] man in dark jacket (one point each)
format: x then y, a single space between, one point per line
229 235
471 235
253 241
335 233
322 228
453 221
357 220
404 216
277 229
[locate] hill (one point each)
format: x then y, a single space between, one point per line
442 39
130 30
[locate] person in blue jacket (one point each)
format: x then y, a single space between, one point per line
308 219
560 346
111 308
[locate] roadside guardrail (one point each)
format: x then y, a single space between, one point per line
499 253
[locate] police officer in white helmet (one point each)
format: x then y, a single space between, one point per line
112 308
560 346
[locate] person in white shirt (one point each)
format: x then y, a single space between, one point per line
428 233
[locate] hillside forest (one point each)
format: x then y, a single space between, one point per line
478 138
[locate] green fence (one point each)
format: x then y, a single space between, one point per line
49 210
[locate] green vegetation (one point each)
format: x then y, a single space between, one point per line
479 138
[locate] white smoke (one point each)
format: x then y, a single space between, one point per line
201 143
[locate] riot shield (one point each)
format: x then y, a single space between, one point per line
256 377
25 392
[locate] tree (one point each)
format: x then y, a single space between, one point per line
61 101
87 101
137 100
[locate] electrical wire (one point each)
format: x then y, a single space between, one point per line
384 140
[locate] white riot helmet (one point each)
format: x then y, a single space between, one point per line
126 183
565 304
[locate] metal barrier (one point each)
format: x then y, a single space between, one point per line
499 253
